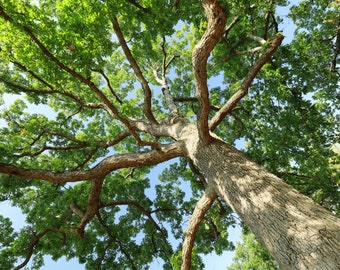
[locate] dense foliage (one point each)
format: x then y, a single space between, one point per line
80 72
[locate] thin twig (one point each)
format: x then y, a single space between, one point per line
101 72
230 26
112 237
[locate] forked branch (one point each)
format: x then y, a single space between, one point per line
163 82
87 81
273 44
216 23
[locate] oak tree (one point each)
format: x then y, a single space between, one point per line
106 90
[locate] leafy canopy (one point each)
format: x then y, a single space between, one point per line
80 72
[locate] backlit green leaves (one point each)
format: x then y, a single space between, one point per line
75 88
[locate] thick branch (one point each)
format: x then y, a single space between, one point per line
92 204
201 208
107 165
216 22
173 129
76 209
137 70
274 43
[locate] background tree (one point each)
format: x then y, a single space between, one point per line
252 255
129 84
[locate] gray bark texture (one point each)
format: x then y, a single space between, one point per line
297 232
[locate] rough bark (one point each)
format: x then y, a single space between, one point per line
216 17
103 168
201 208
297 232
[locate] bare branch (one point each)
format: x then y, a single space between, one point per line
201 208
257 39
137 70
76 209
167 96
274 43
103 168
165 88
216 23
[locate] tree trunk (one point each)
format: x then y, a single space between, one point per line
297 232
